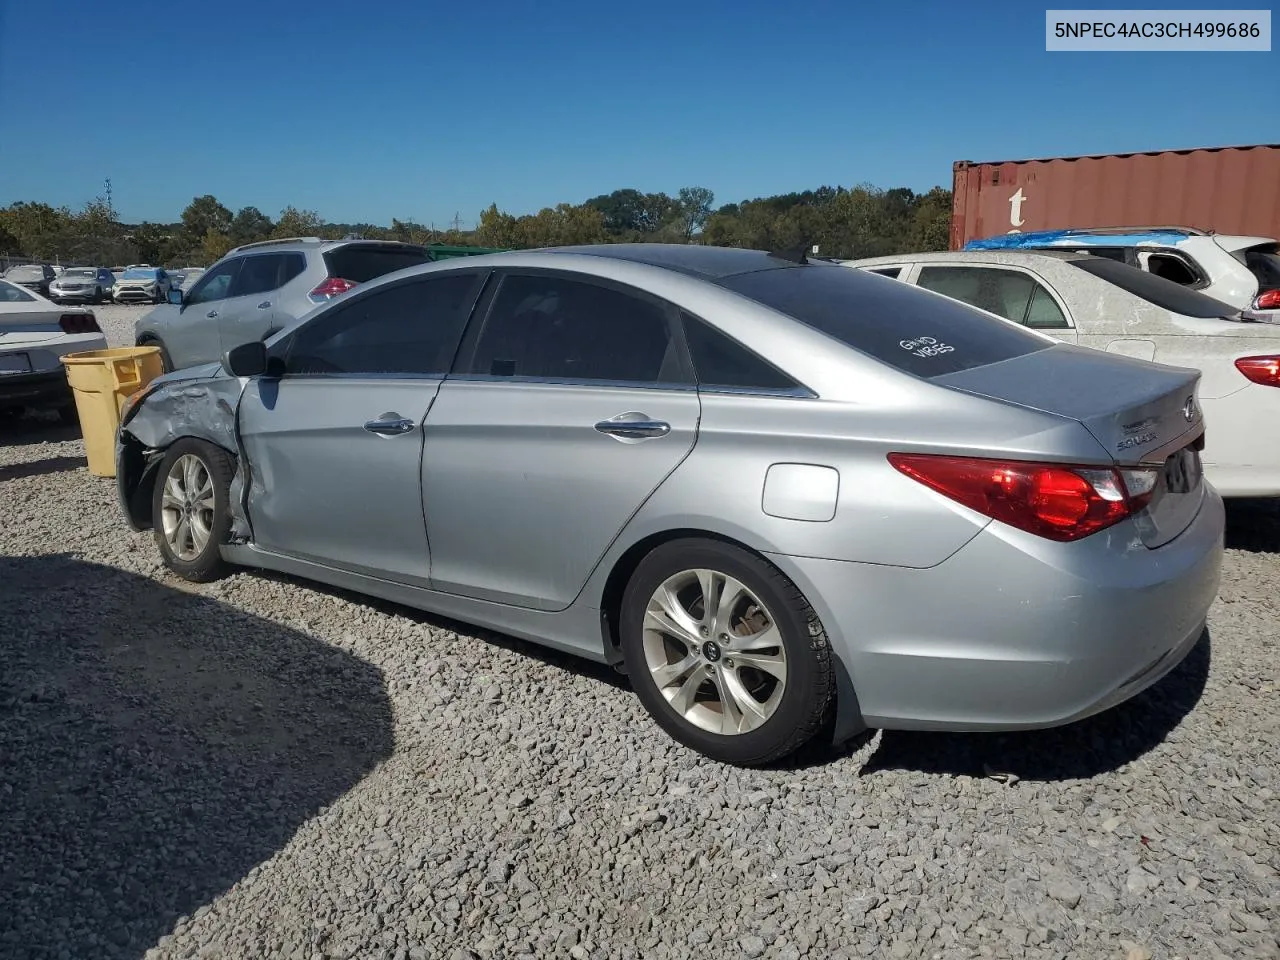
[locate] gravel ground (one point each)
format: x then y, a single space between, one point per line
264 768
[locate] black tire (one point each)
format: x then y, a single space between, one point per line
208 564
808 695
166 365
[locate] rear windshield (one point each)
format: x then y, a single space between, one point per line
1265 264
26 272
361 264
915 331
1163 293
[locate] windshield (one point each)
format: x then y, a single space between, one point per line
898 324
1163 293
26 271
138 275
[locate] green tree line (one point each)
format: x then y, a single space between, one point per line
859 221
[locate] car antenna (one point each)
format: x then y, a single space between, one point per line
794 254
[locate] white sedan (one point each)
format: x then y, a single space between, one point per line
1107 305
34 334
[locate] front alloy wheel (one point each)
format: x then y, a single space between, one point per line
186 507
189 508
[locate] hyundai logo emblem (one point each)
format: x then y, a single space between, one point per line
1189 409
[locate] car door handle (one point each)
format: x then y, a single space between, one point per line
211 314
633 426
264 304
390 425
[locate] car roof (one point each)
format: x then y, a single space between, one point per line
316 243
1026 258
708 263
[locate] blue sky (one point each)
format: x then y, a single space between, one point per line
420 109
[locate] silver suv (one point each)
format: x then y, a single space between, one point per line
259 288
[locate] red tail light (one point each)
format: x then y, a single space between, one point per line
79 323
1263 370
1051 500
331 288
1267 301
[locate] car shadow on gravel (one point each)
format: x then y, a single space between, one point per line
1253 525
155 746
39 468
525 648
1086 748
36 428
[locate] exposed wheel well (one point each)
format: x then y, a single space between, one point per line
846 722
616 584
141 470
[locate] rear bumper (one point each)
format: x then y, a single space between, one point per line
1242 442
45 388
1013 632
136 293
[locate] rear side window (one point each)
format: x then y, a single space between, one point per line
1264 263
897 324
265 272
548 327
1157 290
891 272
360 264
1011 294
410 329
722 362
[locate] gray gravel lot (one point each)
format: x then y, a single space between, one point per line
264 768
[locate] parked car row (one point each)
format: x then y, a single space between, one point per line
783 495
137 283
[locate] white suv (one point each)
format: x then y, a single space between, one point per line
1241 271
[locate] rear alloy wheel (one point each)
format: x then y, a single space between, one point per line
189 509
725 653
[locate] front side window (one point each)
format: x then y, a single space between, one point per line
411 329
216 284
549 327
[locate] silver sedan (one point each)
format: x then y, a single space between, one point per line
784 496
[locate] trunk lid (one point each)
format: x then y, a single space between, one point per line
1143 414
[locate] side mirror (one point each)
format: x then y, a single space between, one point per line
175 295
247 360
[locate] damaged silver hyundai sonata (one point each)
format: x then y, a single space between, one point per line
786 497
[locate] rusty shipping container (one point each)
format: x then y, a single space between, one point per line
1229 190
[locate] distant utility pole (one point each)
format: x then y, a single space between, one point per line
457 221
109 206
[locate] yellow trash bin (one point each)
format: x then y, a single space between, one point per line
101 381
